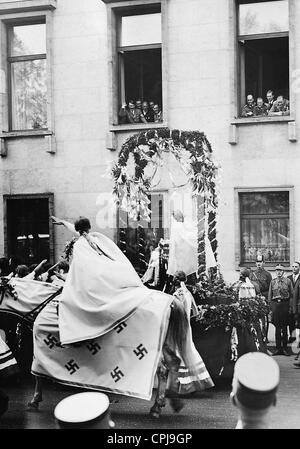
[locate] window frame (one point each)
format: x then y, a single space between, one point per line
115 9
235 68
50 197
25 58
24 14
237 224
123 49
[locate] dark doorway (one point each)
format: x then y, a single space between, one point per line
28 233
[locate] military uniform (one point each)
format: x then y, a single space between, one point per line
248 109
148 115
269 104
131 115
284 107
260 111
263 278
295 280
280 297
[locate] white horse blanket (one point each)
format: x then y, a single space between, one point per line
123 361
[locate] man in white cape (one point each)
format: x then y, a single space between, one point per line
110 329
183 252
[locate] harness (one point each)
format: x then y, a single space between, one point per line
27 318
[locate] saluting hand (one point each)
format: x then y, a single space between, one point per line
56 220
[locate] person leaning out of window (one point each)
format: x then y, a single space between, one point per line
158 117
260 109
280 107
147 113
138 104
270 99
248 109
131 114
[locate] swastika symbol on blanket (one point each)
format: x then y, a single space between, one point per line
93 347
51 341
116 374
72 366
120 327
140 351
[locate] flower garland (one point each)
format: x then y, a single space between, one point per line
239 314
68 249
190 148
213 288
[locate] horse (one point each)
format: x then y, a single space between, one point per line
27 310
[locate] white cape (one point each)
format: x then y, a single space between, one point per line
99 293
183 252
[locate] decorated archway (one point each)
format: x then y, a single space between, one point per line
135 176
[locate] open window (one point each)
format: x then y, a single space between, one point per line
139 41
263 46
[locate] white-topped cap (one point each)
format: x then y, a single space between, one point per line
257 371
81 407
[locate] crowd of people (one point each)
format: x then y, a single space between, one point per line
283 295
281 292
270 107
14 267
140 112
44 271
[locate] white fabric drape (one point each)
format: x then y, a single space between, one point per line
100 292
183 253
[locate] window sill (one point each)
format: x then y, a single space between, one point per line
272 268
29 133
48 135
26 6
258 120
137 126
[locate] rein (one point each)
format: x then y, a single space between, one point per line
30 316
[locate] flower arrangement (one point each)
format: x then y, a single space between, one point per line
239 314
210 288
145 152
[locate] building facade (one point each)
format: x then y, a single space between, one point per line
67 68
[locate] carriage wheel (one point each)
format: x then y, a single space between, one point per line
19 338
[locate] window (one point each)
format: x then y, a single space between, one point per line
29 235
27 71
265 226
138 239
139 57
263 45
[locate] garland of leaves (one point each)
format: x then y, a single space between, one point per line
243 314
213 289
190 148
68 249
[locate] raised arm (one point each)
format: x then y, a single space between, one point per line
69 226
40 265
